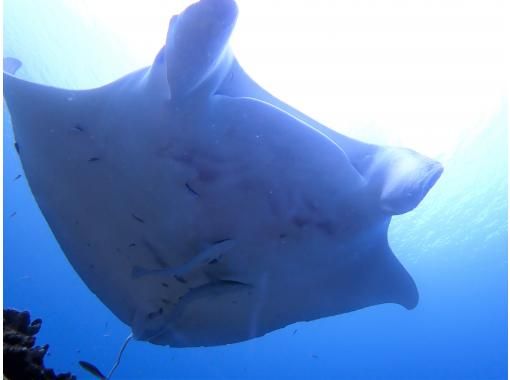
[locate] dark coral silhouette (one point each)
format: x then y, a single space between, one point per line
23 360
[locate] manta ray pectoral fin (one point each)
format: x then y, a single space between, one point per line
11 65
29 103
212 252
387 281
196 45
41 115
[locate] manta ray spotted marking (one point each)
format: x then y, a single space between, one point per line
202 210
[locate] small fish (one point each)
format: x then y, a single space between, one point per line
13 214
132 245
180 279
164 284
16 146
78 127
137 218
152 315
294 333
92 159
191 190
221 241
17 177
92 369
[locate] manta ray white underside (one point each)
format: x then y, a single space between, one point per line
203 211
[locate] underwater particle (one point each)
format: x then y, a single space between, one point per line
315 356
16 146
294 332
137 218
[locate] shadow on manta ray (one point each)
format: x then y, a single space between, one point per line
202 210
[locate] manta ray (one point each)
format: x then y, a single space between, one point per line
203 211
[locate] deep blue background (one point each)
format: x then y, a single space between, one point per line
454 245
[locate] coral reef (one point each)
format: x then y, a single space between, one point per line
22 359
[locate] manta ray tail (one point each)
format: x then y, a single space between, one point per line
119 356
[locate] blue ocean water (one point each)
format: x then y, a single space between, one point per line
454 245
